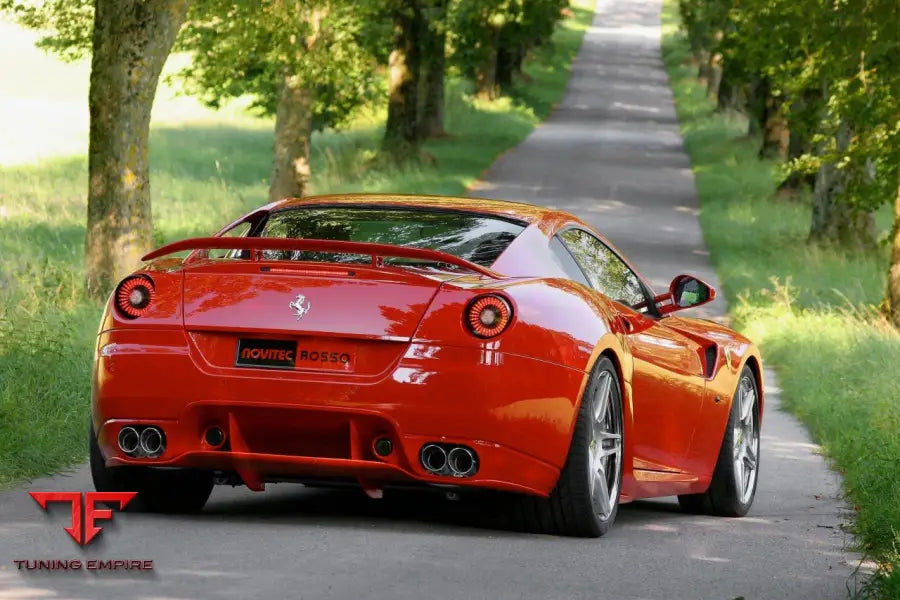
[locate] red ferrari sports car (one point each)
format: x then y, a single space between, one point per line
453 342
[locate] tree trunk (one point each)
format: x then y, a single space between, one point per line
801 111
131 41
401 133
714 65
776 135
715 75
486 78
293 128
834 221
757 92
486 73
431 123
893 293
504 73
507 53
518 61
688 12
731 95
703 58
798 145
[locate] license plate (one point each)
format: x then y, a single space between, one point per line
272 354
289 354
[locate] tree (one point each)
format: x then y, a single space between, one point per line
893 289
476 29
492 37
817 75
834 67
401 132
528 24
303 61
705 21
803 112
851 53
765 112
776 131
434 44
835 220
129 41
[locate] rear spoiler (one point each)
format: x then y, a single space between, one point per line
376 251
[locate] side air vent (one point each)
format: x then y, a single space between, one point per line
712 352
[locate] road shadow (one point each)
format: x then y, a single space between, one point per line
474 514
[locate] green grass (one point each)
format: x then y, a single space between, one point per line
206 169
812 309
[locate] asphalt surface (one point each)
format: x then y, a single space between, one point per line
612 154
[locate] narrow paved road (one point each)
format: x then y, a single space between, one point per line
612 154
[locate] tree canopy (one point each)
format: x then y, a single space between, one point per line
245 48
827 71
491 37
835 65
308 62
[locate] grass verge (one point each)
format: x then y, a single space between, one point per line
204 174
812 309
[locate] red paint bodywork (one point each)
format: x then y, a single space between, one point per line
418 374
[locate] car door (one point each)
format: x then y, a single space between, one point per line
668 382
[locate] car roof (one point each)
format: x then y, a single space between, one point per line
548 219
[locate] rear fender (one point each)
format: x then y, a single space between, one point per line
164 311
553 320
163 315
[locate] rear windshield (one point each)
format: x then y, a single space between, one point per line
477 238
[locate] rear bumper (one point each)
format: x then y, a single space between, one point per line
517 413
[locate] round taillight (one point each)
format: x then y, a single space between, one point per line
488 316
134 295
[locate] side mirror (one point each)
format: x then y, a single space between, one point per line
686 291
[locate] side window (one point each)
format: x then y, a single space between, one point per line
564 259
606 271
239 230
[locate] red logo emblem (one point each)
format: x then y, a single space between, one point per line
86 512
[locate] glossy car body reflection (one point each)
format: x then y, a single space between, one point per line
417 374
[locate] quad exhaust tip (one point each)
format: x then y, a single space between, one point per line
129 439
450 460
142 442
152 441
462 462
434 458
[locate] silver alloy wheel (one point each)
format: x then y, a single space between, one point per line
605 449
746 440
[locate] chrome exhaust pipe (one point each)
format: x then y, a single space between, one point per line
152 443
434 458
128 439
462 462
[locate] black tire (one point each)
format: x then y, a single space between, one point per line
570 510
161 491
724 498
